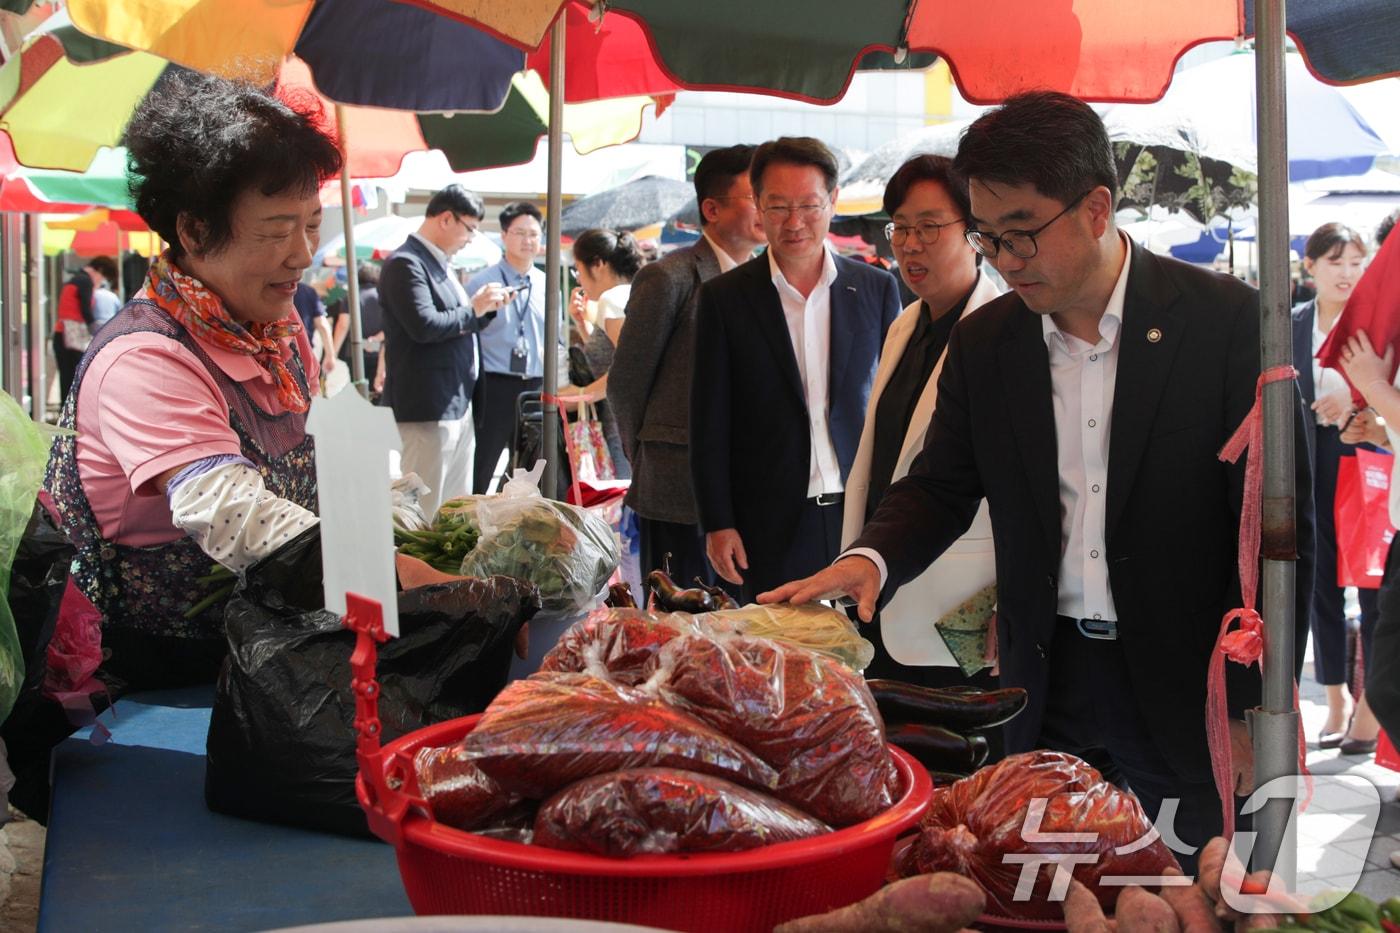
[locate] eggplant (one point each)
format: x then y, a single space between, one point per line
723 598
953 707
671 598
939 749
620 596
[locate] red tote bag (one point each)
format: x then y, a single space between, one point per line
1362 515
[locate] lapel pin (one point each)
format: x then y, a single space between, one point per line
1154 335
850 288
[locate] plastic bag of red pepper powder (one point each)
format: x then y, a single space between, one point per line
650 811
458 792
549 730
807 715
615 644
974 824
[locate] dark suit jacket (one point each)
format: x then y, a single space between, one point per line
429 336
649 382
750 450
1172 509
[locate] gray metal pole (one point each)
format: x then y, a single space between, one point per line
11 307
352 282
554 206
1275 725
34 272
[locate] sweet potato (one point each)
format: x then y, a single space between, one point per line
937 903
1210 865
1083 914
1138 909
1192 908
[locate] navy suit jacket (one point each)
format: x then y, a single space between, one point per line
750 439
429 338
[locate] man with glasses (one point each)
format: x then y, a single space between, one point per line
785 354
512 357
1088 408
649 382
430 328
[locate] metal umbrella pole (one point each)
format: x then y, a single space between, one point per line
554 206
34 271
1275 725
11 301
352 282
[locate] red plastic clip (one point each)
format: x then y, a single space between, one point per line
385 807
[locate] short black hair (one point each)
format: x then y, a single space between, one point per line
1332 240
933 168
617 248
367 275
105 267
458 200
516 209
197 142
1051 141
794 150
1385 226
715 174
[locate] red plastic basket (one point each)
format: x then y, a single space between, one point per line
448 871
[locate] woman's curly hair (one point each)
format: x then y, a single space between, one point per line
197 141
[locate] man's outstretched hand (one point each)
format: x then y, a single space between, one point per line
855 576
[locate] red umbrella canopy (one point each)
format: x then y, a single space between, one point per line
1107 50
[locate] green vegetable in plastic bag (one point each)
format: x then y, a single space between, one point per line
24 451
566 551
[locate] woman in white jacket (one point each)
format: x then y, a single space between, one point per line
928 208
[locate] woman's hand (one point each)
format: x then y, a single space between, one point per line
578 311
1334 408
1365 429
1363 367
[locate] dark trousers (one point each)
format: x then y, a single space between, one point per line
686 545
493 414
815 543
1329 629
1091 712
1383 668
67 364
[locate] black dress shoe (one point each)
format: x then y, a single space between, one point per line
1330 739
1357 747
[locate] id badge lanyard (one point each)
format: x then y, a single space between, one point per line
520 353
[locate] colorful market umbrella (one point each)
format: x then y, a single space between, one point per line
61 113
1105 50
26 190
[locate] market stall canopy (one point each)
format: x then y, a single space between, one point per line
1105 50
641 202
61 112
26 190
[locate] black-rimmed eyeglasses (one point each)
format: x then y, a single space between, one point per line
926 230
1018 243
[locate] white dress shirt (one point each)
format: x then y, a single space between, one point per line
1326 381
809 328
446 262
726 262
1082 379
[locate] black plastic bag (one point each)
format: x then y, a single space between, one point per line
281 736
36 724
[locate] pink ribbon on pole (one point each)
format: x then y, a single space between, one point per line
1245 644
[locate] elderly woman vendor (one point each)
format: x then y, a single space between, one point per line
190 406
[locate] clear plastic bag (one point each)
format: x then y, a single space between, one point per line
459 793
813 626
807 715
566 551
618 645
650 811
543 733
972 824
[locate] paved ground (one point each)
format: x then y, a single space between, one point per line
1331 848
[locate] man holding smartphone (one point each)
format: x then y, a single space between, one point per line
512 360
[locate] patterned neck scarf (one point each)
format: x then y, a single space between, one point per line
202 313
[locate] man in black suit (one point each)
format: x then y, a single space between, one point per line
1088 407
430 328
785 354
649 382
